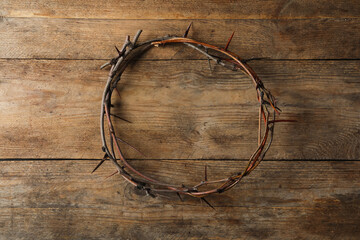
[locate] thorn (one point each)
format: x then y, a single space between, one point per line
101 162
228 42
112 174
206 173
130 146
207 202
118 51
187 30
120 118
179 196
97 166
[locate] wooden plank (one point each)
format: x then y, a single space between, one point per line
95 39
181 9
179 109
279 200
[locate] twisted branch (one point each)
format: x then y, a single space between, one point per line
221 56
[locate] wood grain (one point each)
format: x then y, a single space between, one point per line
179 109
183 118
95 38
181 9
279 200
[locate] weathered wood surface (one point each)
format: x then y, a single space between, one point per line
181 9
280 200
50 90
95 38
179 109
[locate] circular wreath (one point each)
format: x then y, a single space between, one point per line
129 51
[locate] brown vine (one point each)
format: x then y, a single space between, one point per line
222 56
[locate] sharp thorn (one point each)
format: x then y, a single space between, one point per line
97 166
112 174
120 118
207 202
178 194
187 30
228 42
130 146
118 51
102 161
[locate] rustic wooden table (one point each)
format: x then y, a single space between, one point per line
184 117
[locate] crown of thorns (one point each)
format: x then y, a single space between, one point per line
221 56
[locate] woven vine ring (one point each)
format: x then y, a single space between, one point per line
110 144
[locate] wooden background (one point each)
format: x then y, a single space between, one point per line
184 117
